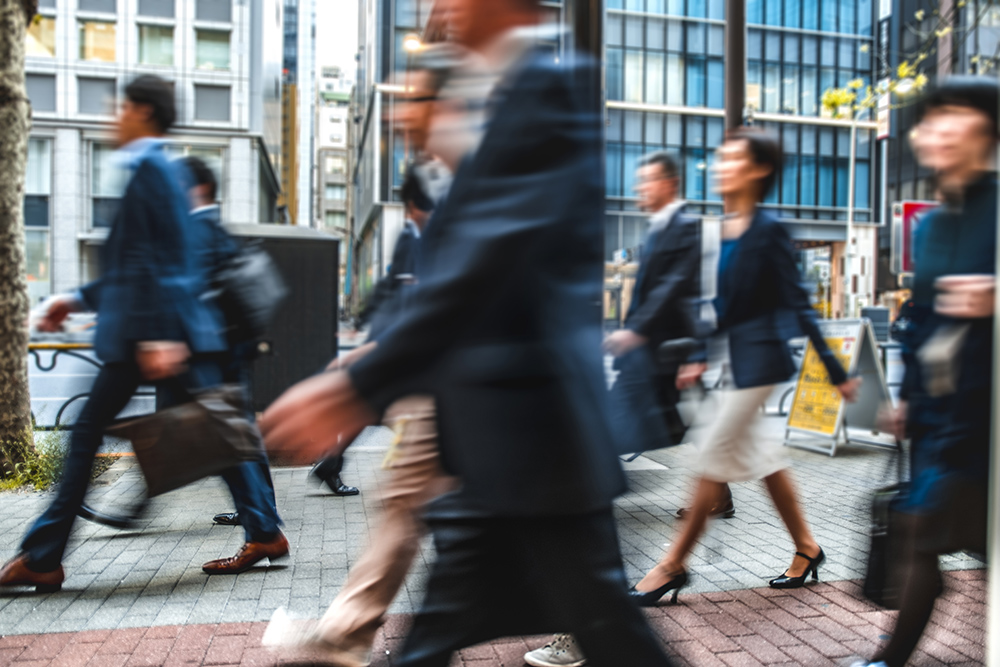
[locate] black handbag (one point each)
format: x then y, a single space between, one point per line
248 290
185 443
879 585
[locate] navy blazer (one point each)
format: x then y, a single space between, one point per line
761 286
151 282
507 308
668 282
393 289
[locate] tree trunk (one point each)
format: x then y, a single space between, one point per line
15 121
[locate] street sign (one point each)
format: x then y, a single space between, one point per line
818 408
906 217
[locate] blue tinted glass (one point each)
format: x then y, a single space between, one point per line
635 5
615 4
717 9
713 132
697 39
614 125
810 96
807 181
755 12
825 182
845 54
615 28
632 156
694 174
656 6
697 8
716 84
695 82
694 128
810 14
675 7
828 16
399 158
862 192
826 141
614 74
848 21
755 42
793 17
842 183
865 17
772 12
716 40
790 181
614 170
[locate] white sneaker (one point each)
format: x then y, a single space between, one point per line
287 632
562 651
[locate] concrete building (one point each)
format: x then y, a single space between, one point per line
298 101
223 58
333 159
664 91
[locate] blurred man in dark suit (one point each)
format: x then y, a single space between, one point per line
506 315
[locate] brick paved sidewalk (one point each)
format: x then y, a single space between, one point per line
825 624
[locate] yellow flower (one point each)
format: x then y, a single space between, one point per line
943 31
865 48
857 83
920 15
919 82
905 70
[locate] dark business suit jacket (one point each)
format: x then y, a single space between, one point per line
394 287
761 288
150 284
507 308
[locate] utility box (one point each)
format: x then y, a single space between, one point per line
302 338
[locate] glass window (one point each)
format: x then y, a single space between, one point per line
656 6
633 31
675 36
654 78
809 140
37 261
336 219
214 10
614 74
612 237
635 5
772 91
862 185
864 17
633 76
810 100
633 154
156 45
107 184
212 49
772 12
790 138
845 57
826 141
772 45
828 16
755 44
675 79
791 53
675 7
614 125
633 127
614 163
96 96
38 183
713 132
41 91
848 23
790 181
697 8
842 182
615 29
810 14
716 84
697 41
656 30
41 38
654 130
696 82
807 181
406 13
716 40
755 12
212 103
793 13
674 130
161 8
332 191
717 9
790 90
826 181
107 6
633 231
695 168
335 165
828 52
810 50
97 41
754 83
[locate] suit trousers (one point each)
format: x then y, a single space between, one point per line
416 478
502 576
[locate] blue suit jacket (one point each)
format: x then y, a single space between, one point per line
507 309
151 280
762 289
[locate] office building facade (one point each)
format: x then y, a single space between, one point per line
223 59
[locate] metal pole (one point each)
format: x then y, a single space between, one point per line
993 549
736 62
849 246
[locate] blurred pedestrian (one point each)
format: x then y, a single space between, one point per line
504 332
152 327
946 397
757 279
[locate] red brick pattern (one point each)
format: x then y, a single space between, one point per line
822 625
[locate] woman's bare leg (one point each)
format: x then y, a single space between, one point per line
782 491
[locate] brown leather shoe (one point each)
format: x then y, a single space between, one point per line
249 555
16 573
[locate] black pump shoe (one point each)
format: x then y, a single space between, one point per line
652 597
784 581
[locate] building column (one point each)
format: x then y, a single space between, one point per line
243 173
68 210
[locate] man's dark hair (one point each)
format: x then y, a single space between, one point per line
667 163
764 151
974 92
158 95
414 192
201 174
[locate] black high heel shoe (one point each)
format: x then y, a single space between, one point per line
652 597
784 581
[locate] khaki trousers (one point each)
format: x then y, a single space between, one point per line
417 478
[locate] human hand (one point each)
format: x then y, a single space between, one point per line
849 390
893 419
965 297
689 374
318 416
58 311
159 360
622 342
352 357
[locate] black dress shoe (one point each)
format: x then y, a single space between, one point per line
341 489
652 597
784 581
327 471
227 519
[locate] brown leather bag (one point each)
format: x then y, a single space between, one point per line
185 443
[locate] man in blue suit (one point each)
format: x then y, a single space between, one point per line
152 326
504 332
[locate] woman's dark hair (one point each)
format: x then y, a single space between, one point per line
202 175
414 193
158 95
764 150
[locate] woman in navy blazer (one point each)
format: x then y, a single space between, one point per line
758 288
